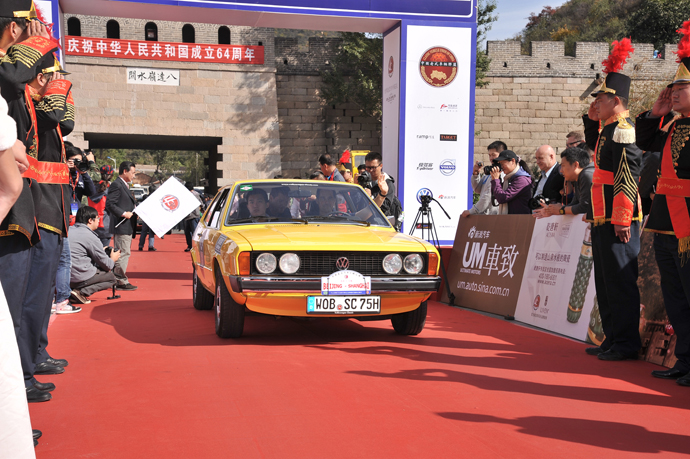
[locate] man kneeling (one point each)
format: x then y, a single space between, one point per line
91 265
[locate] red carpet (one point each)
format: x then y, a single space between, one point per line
148 378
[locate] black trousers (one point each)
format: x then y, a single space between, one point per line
189 227
102 280
15 265
615 277
675 286
33 336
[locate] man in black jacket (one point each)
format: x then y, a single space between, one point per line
550 182
576 167
119 206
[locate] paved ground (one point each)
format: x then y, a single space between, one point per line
149 378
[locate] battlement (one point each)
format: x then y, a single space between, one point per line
548 59
292 58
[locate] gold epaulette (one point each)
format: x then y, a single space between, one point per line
624 132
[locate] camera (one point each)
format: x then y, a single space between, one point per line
487 169
83 164
108 250
425 199
535 202
364 180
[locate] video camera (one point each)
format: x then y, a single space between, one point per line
535 202
364 180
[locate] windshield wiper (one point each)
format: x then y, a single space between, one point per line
337 218
267 219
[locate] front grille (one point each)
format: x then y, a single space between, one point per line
323 263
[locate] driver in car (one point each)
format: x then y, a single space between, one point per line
257 202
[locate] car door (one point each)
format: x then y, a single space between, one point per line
213 224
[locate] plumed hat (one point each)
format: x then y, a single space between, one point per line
683 72
616 83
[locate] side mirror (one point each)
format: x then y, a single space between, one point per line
391 219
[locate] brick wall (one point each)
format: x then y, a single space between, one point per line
534 99
310 128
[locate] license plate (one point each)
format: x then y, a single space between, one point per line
344 304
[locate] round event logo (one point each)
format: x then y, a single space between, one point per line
424 192
170 203
391 67
438 67
447 167
537 300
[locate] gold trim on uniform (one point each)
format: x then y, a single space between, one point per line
682 74
670 233
50 228
681 134
51 102
624 181
24 54
599 222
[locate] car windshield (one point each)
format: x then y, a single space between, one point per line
303 202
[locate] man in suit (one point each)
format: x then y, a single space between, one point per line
119 206
550 181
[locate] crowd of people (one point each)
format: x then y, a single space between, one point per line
621 176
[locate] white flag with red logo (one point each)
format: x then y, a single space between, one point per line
167 206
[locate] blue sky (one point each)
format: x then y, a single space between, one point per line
513 14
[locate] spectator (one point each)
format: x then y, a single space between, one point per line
98 200
317 175
383 188
515 192
278 202
577 168
329 168
345 166
550 183
119 206
481 184
575 139
191 220
325 204
91 265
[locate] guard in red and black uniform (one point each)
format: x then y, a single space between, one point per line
50 93
669 217
24 245
615 215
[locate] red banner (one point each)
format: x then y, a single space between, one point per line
159 51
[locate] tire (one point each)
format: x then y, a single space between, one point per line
202 298
410 323
229 314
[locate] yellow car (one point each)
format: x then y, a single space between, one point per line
285 248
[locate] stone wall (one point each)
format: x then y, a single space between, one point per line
310 128
534 99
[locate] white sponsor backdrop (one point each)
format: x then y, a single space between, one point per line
167 206
552 278
429 113
391 101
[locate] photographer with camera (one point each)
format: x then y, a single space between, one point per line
481 183
92 265
79 164
380 186
577 168
514 193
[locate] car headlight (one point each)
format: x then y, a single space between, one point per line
289 263
414 264
392 263
266 263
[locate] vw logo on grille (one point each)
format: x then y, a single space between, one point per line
342 263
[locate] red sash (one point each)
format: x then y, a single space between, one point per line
47 172
598 204
675 190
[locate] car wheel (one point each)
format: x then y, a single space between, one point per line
229 314
410 323
202 298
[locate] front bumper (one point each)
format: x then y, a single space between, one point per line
242 284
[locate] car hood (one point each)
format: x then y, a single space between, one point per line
327 237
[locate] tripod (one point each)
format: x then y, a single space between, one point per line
425 221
